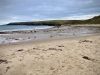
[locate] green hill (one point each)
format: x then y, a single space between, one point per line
94 20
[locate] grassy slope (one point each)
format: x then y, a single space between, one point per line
94 20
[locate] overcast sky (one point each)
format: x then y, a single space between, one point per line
34 10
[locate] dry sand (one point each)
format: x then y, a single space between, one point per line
69 56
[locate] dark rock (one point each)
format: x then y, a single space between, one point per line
51 36
85 57
60 46
3 32
34 36
28 37
16 39
20 50
34 48
34 31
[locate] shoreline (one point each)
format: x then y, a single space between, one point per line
53 27
48 40
4 29
47 34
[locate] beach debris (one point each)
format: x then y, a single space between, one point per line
44 50
36 48
85 41
3 61
52 68
51 36
34 36
62 66
20 50
3 41
87 58
68 28
60 46
55 30
28 37
73 34
60 49
34 31
54 49
16 39
7 69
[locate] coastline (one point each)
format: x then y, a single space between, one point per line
46 34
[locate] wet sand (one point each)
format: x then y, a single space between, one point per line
51 33
56 56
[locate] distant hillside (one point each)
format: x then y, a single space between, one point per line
94 20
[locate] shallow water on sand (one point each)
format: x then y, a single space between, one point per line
53 33
21 27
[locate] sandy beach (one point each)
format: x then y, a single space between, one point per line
57 55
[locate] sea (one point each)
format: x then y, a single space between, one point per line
22 27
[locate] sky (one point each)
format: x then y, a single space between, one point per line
39 10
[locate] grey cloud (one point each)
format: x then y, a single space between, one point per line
43 9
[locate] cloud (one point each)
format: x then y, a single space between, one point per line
32 10
80 17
